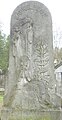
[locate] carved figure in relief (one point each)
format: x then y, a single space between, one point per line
22 52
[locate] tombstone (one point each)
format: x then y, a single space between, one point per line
30 87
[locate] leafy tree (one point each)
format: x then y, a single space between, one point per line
58 54
4 51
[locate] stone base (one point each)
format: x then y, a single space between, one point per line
8 114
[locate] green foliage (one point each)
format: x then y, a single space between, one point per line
1 98
4 51
58 54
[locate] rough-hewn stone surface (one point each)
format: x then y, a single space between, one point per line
31 79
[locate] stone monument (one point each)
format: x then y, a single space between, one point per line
30 87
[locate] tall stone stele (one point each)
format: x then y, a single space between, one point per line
30 86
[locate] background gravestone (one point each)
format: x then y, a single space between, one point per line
30 87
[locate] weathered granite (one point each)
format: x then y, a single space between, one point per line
30 86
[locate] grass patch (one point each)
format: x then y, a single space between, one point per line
1 98
40 118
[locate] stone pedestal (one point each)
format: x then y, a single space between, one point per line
31 115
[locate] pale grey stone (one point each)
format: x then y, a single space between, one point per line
31 59
31 72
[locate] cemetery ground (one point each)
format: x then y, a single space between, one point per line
44 118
